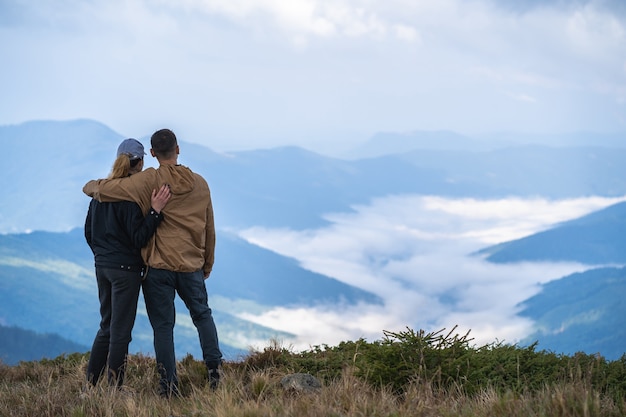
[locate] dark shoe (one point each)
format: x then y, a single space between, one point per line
214 377
168 391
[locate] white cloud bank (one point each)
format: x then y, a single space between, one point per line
414 252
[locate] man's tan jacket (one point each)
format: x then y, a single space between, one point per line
185 239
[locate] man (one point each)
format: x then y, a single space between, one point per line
179 256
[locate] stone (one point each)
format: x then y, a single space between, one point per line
300 382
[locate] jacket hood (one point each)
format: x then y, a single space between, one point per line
178 177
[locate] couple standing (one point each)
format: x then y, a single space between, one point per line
120 229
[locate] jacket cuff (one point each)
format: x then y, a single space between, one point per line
152 212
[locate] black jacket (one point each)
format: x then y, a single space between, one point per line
116 232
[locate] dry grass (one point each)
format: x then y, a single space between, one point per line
55 388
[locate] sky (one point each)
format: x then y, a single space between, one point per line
325 75
415 252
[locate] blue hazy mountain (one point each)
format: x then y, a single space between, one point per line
582 312
50 162
248 272
598 238
26 345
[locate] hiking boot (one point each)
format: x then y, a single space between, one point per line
168 391
214 377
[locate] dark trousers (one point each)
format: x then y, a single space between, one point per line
118 292
159 290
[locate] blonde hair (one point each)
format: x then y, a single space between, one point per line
121 167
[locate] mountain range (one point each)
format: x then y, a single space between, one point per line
46 269
288 186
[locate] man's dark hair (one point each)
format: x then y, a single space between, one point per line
164 143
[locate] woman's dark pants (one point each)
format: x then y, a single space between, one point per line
118 292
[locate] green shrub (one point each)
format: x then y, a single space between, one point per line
450 361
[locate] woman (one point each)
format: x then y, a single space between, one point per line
116 232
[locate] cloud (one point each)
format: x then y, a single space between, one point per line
324 19
414 252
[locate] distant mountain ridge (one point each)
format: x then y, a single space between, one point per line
583 312
286 187
393 143
598 238
50 161
389 143
25 345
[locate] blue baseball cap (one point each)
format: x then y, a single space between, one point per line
131 147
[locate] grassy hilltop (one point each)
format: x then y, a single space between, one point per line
404 374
